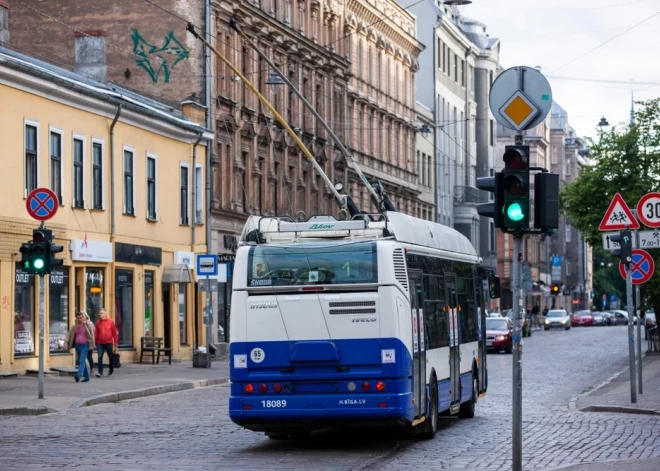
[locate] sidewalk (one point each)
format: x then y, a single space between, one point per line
614 396
18 395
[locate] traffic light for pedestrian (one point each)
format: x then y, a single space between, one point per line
515 206
546 201
555 289
493 209
624 239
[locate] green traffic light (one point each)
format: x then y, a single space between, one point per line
38 263
514 212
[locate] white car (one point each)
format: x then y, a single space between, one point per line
557 319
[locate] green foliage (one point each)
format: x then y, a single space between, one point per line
626 160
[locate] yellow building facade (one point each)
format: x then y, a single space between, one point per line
130 175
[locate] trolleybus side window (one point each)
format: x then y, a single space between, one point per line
433 316
467 313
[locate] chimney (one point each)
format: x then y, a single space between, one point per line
90 57
4 23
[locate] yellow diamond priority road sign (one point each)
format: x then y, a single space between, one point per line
520 98
518 111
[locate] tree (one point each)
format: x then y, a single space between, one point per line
626 160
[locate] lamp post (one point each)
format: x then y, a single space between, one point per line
275 81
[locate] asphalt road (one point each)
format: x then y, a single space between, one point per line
191 430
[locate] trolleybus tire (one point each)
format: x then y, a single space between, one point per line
431 422
467 408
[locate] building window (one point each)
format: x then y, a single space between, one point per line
129 182
124 306
568 268
56 164
31 153
151 188
148 303
24 320
58 309
183 181
462 72
97 175
456 68
493 238
78 173
554 155
183 318
492 133
94 292
568 233
199 195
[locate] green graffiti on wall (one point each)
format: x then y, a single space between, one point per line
154 59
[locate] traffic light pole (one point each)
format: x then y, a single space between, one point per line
517 353
631 334
42 308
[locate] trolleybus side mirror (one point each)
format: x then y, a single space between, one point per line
494 287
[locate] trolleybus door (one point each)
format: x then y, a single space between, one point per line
454 341
481 297
419 344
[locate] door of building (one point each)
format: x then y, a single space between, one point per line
167 316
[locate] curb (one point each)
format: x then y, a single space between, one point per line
152 391
117 397
620 409
572 402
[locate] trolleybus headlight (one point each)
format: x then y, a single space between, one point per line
380 386
263 388
351 386
366 386
249 388
277 387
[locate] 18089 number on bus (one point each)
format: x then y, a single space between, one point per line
273 404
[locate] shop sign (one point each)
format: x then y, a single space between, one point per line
182 257
91 251
138 254
23 278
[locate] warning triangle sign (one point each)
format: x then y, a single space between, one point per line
618 216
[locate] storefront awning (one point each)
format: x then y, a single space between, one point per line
177 273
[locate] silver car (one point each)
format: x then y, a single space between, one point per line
557 319
599 318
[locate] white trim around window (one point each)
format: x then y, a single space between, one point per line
188 199
28 122
101 142
153 157
198 205
123 190
82 138
55 130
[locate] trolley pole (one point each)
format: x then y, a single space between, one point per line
516 439
42 307
631 334
640 388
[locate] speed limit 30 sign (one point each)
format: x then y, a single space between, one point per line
648 210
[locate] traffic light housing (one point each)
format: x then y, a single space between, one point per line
38 255
515 207
495 185
51 260
546 201
624 239
555 289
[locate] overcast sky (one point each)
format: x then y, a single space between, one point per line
551 34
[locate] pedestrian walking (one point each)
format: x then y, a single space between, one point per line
81 336
106 341
535 315
90 358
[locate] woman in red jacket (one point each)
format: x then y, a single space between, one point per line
106 341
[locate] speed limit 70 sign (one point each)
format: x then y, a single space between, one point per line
648 210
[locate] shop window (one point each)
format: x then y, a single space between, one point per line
24 320
183 318
94 292
148 303
58 309
124 306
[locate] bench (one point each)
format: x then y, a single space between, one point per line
154 347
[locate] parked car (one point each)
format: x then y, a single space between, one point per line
599 318
557 318
493 314
650 321
619 317
582 318
527 325
609 318
499 334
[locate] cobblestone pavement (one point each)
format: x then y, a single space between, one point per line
190 430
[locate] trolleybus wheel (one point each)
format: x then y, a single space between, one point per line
431 422
467 408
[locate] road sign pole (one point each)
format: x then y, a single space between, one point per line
640 388
631 335
208 322
41 335
516 438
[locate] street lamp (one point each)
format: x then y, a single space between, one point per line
603 122
424 129
275 80
457 2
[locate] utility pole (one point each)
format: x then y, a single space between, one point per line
42 307
640 388
517 353
631 334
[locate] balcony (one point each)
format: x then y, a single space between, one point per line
466 194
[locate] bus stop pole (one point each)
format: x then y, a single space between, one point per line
516 439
